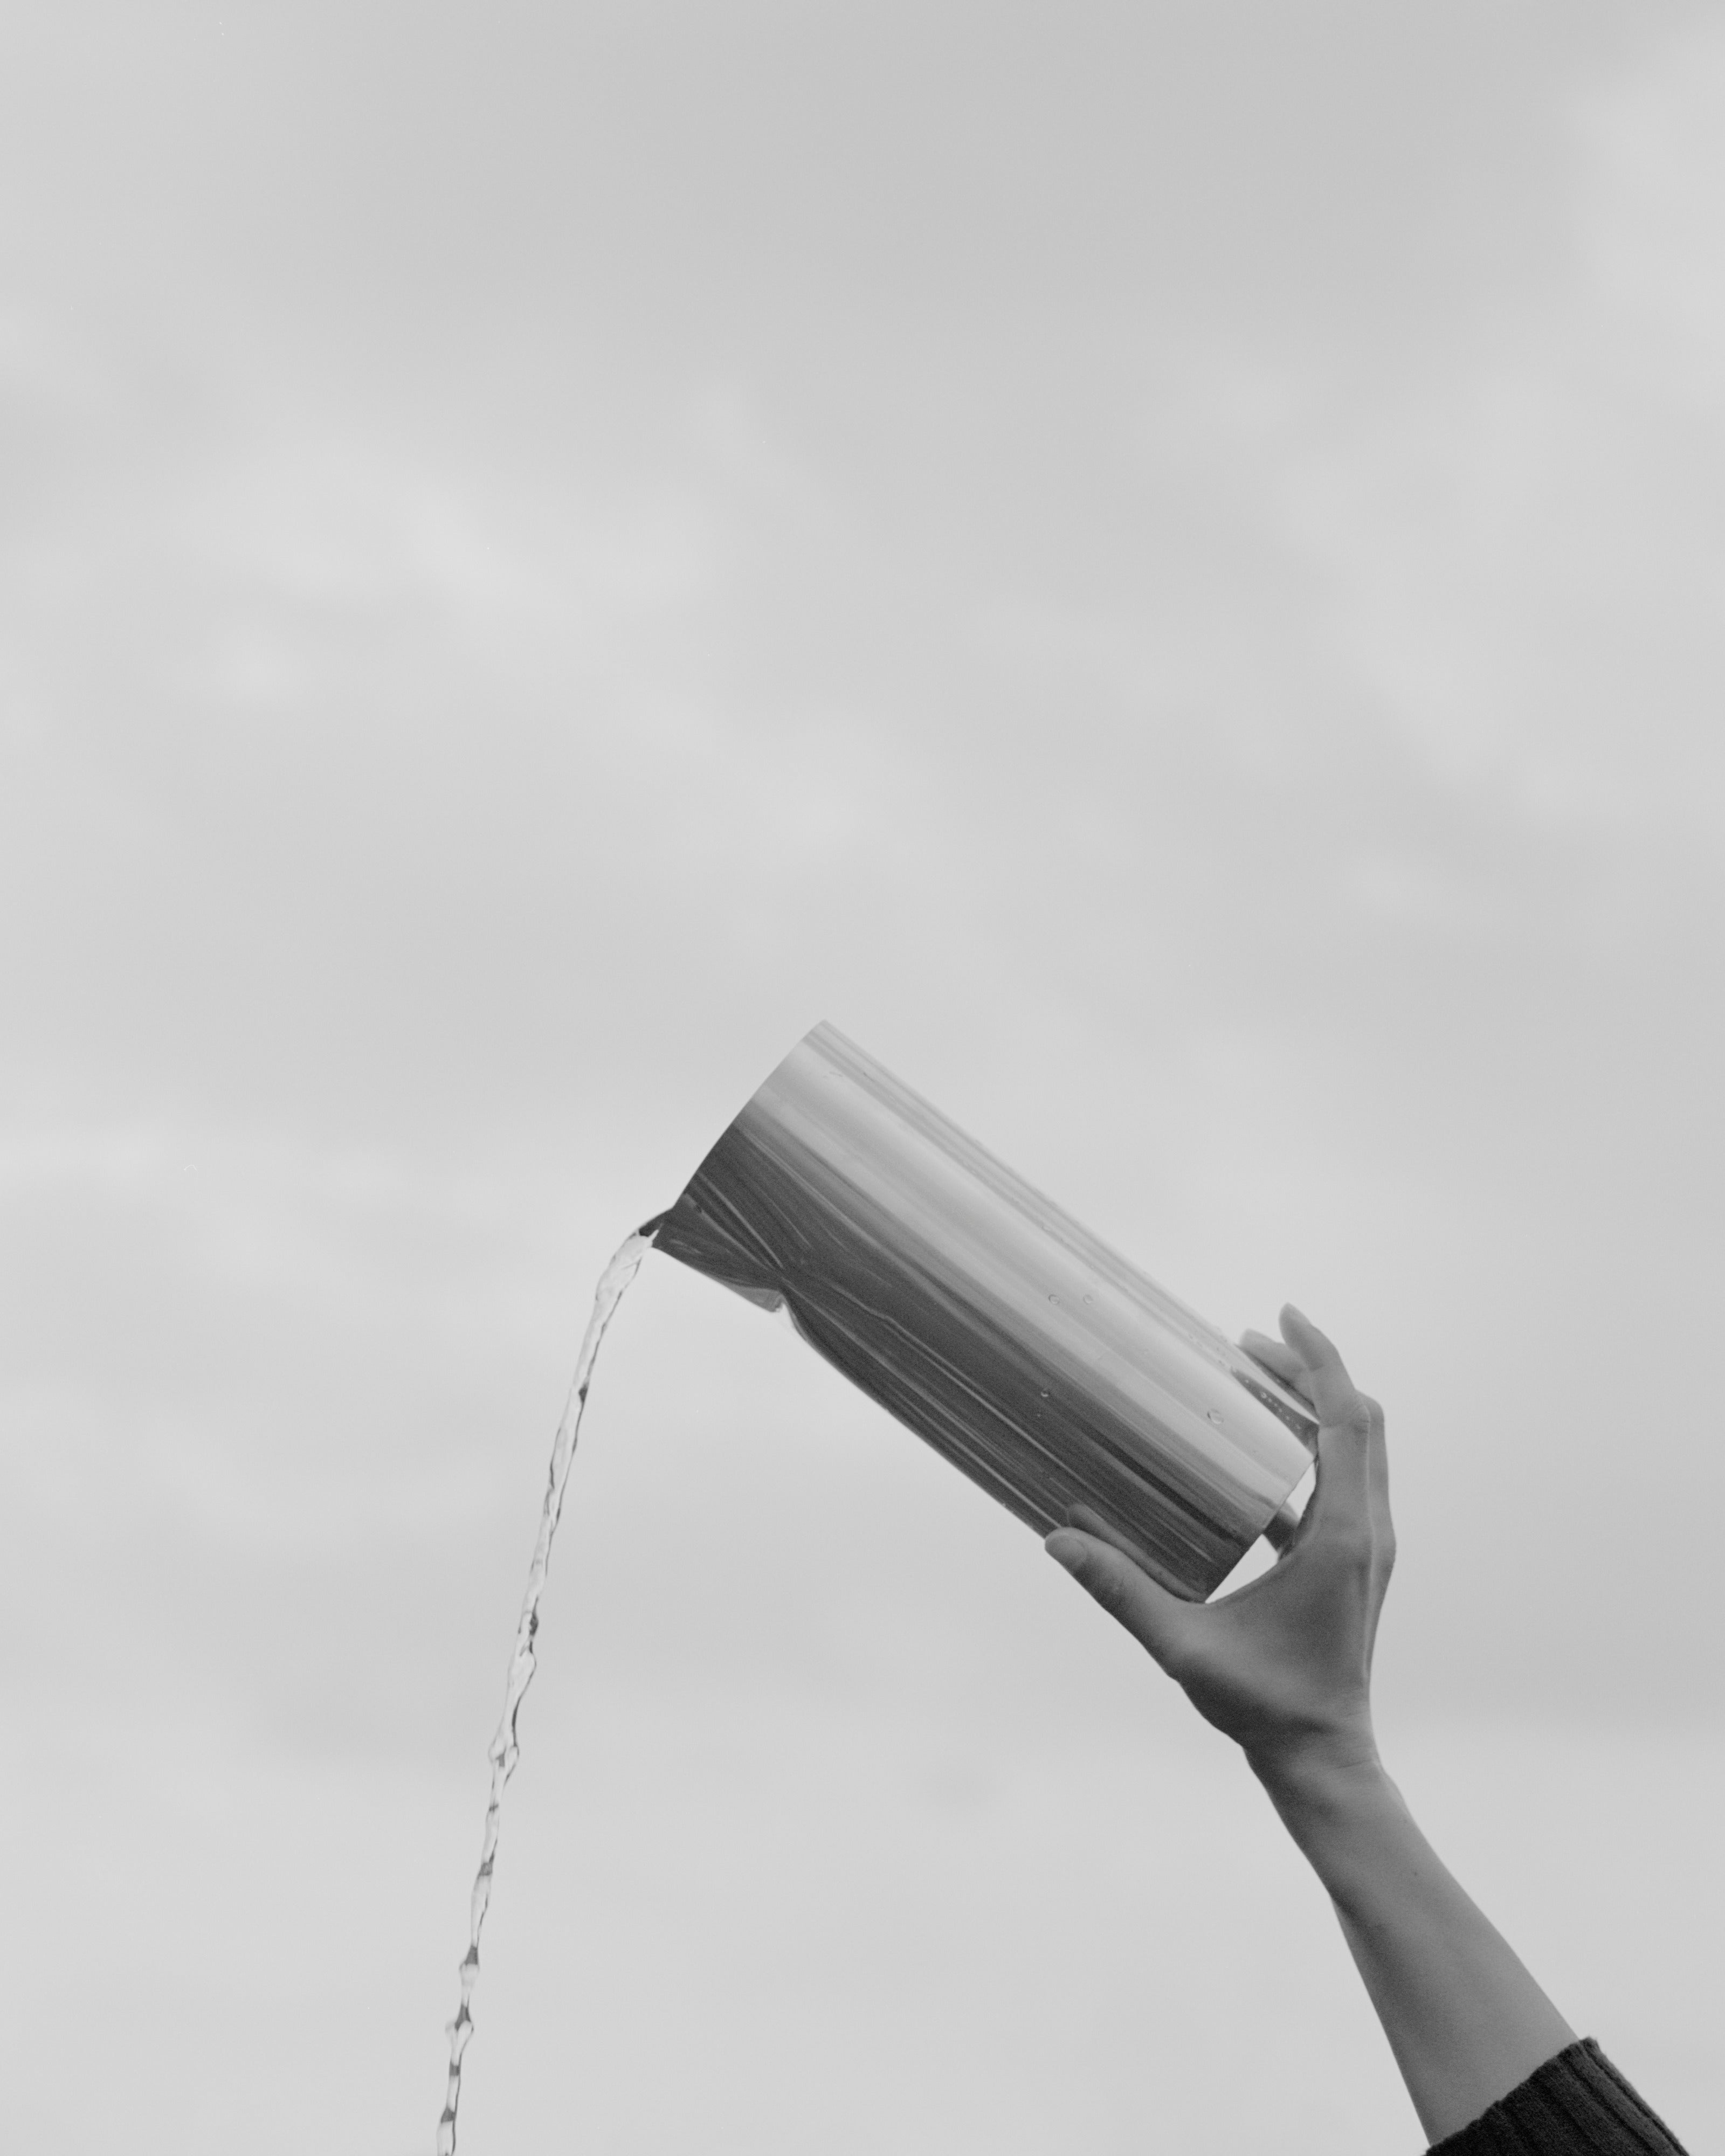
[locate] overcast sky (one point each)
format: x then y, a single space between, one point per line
1161 567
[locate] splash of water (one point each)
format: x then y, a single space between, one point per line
505 1746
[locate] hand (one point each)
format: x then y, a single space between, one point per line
1284 1666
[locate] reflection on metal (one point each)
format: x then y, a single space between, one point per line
1046 1367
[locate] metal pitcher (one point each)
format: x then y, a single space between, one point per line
1041 1364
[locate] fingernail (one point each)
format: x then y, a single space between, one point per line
1065 1549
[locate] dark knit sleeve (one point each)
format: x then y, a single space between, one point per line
1577 2104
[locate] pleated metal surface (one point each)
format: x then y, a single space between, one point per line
1026 1352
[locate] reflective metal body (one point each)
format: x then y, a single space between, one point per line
1030 1355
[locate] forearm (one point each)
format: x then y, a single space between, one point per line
1466 2020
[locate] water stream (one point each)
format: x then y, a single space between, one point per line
505 1745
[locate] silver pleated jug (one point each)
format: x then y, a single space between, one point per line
1025 1350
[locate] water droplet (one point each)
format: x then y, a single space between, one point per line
1090 1298
1054 1298
1216 1416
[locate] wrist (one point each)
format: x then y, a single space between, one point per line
1323 1775
1346 1818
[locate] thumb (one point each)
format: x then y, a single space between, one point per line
1157 1619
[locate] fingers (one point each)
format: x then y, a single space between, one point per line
1278 1359
1345 1438
1344 1398
1156 1619
1326 1374
1276 1355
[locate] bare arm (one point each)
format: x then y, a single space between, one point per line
1284 1667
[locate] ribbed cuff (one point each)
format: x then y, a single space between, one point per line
1577 2104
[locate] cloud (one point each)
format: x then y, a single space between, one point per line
1159 570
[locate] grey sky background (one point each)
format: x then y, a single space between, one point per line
1161 568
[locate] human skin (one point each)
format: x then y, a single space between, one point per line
1284 1667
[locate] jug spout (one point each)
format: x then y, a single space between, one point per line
1034 1358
